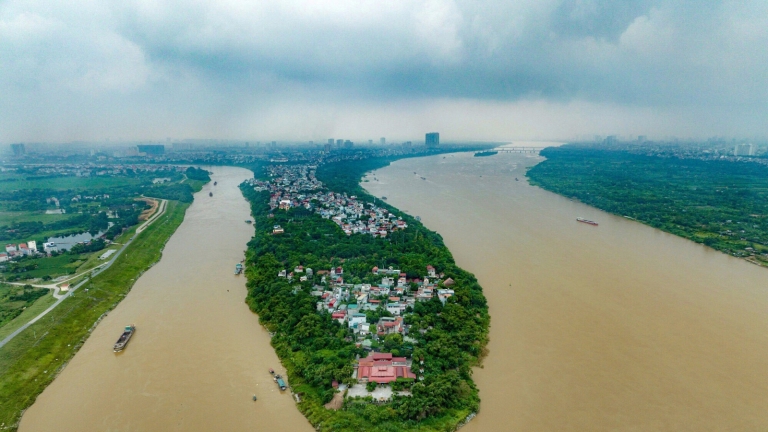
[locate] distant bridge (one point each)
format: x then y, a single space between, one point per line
517 149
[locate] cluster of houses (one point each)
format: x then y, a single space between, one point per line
296 186
347 303
15 251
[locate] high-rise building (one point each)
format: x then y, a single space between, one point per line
348 144
370 142
151 149
382 141
642 138
327 147
330 141
18 149
339 143
744 150
432 139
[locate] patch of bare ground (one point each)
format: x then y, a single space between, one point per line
146 214
337 402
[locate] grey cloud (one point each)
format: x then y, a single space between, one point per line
209 59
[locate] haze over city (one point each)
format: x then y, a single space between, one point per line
309 70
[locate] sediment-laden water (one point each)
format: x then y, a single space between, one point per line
199 354
615 327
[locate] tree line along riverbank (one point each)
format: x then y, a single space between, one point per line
31 361
721 204
317 350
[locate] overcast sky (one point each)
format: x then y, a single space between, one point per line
310 69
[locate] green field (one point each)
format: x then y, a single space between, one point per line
11 217
14 299
19 182
32 359
27 314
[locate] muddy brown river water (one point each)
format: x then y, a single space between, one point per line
199 354
618 327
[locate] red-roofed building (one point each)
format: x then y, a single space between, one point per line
382 368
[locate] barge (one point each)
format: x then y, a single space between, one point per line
586 221
124 338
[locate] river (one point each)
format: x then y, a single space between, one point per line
615 327
199 354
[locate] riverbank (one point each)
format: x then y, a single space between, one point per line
615 327
31 361
721 204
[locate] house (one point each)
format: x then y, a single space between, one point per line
394 308
339 316
10 248
284 204
375 270
3 257
277 230
382 368
357 321
444 294
389 325
430 271
50 247
282 273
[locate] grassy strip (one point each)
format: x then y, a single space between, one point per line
37 307
31 361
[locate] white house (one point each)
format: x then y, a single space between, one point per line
357 320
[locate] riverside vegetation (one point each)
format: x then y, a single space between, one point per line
30 361
316 350
722 204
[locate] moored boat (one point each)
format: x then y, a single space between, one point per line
280 382
586 221
124 338
238 268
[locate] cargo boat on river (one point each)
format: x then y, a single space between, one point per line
124 338
586 221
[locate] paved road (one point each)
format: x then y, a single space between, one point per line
95 271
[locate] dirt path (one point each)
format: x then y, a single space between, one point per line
150 211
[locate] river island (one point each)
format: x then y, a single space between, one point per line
376 325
